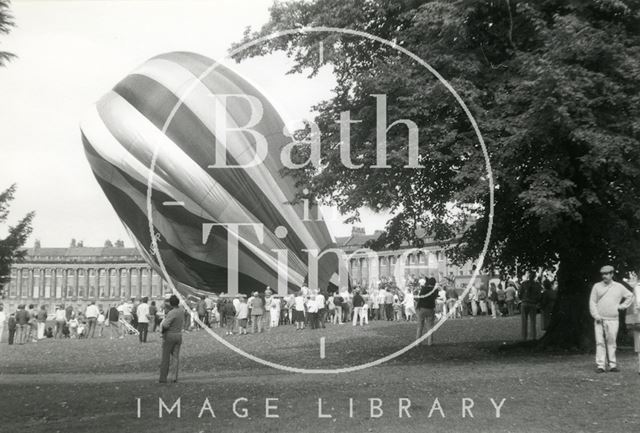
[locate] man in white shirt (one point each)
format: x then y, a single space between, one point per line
143 319
607 298
322 312
91 313
127 310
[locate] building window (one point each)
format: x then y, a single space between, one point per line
36 283
25 283
59 282
124 283
81 282
102 283
13 285
91 288
155 284
71 283
113 283
145 282
47 283
135 278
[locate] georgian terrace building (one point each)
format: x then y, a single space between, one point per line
77 275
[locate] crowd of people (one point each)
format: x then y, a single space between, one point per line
314 309
31 323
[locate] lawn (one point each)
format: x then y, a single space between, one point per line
93 385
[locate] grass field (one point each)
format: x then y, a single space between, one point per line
93 385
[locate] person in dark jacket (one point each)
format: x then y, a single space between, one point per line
12 327
426 307
530 294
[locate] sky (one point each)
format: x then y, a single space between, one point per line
70 53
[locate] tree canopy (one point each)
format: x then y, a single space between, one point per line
555 88
11 246
6 23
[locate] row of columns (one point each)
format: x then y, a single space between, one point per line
367 268
84 283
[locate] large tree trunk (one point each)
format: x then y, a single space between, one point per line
571 324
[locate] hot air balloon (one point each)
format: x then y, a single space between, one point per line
194 202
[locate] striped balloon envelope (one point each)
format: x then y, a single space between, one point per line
198 207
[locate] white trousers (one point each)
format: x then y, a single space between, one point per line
275 318
604 348
356 314
41 330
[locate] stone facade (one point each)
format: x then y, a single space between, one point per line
50 276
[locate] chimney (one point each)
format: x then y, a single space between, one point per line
355 231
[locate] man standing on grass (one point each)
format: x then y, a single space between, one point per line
530 295
607 298
22 324
142 312
91 314
171 338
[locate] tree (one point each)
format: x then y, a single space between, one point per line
557 102
6 23
73 243
108 244
119 243
11 246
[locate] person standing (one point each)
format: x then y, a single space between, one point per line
322 310
12 327
243 314
275 312
473 300
91 315
298 310
388 304
358 303
113 318
33 323
530 294
312 312
101 321
22 324
171 327
510 294
201 309
548 300
61 320
632 318
41 318
3 318
337 302
142 312
606 299
257 311
426 307
153 316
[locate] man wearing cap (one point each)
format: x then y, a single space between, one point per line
607 297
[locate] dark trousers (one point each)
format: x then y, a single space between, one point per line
91 326
143 328
528 316
170 348
313 320
389 311
322 317
12 334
